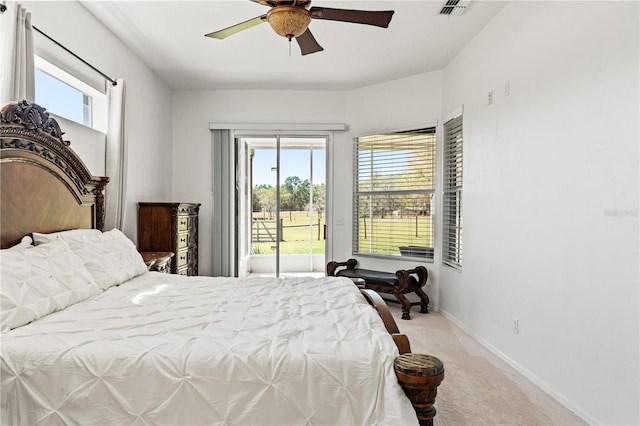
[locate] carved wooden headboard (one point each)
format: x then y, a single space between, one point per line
44 185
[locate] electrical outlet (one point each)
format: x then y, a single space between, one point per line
339 221
516 325
490 98
507 88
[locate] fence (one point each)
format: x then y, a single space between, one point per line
265 231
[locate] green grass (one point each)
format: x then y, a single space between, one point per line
396 231
295 235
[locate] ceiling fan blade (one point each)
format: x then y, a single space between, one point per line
378 18
308 43
237 28
270 3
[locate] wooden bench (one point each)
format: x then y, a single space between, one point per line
402 282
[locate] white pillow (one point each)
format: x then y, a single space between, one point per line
39 238
110 257
25 242
39 281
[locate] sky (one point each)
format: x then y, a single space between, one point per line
58 97
293 162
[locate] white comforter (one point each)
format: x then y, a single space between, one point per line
170 350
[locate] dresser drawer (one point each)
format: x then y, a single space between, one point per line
187 256
183 241
183 223
183 258
187 240
187 222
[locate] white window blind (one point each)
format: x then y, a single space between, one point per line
394 182
452 197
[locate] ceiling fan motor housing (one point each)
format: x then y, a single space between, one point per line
289 21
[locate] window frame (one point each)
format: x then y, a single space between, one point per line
431 150
98 100
452 191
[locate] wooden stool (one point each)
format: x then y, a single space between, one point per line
420 375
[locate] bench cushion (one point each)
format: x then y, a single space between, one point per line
370 276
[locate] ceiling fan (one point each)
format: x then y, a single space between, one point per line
291 19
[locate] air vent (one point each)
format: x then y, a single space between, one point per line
454 7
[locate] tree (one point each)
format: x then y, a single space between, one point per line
291 184
301 195
266 198
318 199
294 196
286 200
268 201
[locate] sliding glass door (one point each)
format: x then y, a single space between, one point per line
284 204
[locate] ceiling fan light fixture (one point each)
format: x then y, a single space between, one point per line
289 21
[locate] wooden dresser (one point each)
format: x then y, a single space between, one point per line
170 227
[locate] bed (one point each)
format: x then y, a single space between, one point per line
89 336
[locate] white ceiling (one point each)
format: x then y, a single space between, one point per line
169 37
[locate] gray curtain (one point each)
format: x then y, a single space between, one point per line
223 187
17 73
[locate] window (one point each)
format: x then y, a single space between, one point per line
393 198
452 197
66 96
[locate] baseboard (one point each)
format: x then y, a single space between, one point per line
525 372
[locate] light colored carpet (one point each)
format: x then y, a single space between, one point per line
478 387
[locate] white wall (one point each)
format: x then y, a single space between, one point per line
551 199
192 111
148 123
